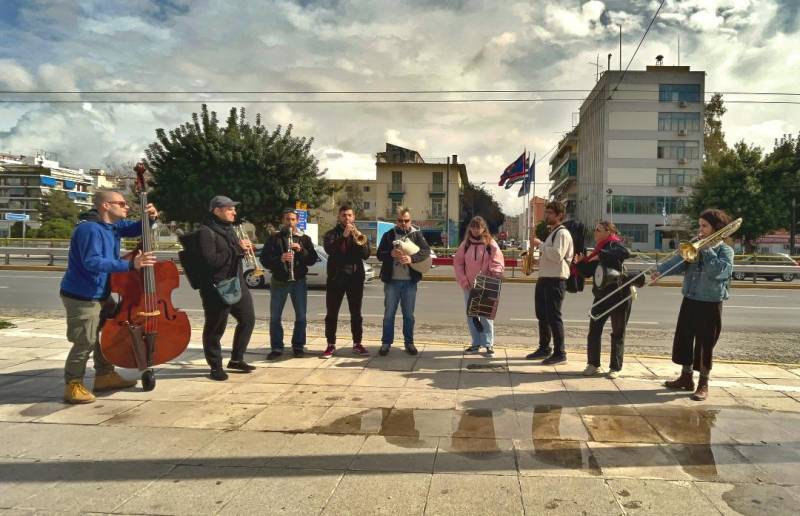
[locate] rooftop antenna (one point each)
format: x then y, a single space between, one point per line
598 67
679 49
620 46
609 60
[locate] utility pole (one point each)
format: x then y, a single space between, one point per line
447 203
793 224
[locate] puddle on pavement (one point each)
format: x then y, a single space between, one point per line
758 499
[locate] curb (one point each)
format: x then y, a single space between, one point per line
734 285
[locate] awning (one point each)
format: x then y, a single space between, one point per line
47 181
69 185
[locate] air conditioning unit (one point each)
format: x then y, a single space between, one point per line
681 132
682 103
683 161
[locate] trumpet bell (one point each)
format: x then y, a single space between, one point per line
688 251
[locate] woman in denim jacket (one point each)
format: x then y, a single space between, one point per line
705 286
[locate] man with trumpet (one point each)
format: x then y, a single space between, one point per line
404 256
288 253
347 249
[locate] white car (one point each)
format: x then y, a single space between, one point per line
316 277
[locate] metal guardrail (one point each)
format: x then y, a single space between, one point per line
55 254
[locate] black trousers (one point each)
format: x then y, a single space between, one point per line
352 287
216 315
699 326
549 296
619 322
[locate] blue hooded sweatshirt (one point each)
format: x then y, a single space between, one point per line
94 254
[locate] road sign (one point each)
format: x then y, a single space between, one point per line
18 217
302 219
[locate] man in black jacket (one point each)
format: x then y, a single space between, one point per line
346 258
288 254
222 254
400 280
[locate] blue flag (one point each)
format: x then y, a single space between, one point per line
515 171
525 189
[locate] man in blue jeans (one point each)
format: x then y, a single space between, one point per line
400 280
287 254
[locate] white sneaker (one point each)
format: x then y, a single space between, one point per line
592 370
613 375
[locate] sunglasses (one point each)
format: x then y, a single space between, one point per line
404 221
121 204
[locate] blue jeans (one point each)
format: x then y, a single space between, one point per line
279 291
403 293
483 338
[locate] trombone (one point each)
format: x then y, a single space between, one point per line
249 256
689 251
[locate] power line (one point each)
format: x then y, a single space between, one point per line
638 46
346 92
348 101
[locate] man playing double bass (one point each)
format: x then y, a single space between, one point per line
93 255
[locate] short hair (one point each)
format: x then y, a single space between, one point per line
717 218
609 226
287 211
402 210
103 195
556 207
346 206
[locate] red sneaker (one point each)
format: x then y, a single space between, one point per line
358 349
329 351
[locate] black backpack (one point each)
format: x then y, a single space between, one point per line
194 267
577 231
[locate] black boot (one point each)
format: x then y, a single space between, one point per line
684 382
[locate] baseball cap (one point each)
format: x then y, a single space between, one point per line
221 201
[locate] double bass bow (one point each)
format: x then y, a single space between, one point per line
147 329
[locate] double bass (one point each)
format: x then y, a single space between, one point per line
147 329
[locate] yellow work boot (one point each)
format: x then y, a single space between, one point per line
111 381
75 392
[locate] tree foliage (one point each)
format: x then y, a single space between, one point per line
351 193
267 170
713 137
55 228
475 200
58 206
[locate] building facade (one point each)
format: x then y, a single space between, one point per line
25 182
641 150
564 172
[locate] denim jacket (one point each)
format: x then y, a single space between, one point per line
707 279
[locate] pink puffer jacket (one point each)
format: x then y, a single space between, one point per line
470 261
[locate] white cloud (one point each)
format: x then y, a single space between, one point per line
14 76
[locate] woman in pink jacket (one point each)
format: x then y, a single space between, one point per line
478 253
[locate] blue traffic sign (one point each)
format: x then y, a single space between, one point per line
18 217
302 219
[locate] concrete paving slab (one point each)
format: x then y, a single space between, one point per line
32 388
475 456
749 498
351 421
397 454
690 427
186 414
568 496
660 497
714 463
190 490
255 393
390 493
602 404
314 395
553 423
17 485
91 414
471 381
432 380
532 382
240 449
456 495
485 399
378 378
635 460
544 457
37 367
285 418
285 491
784 404
780 464
619 429
426 400
319 451
330 377
26 412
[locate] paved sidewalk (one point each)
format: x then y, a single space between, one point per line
440 433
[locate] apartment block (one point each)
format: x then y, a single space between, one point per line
640 141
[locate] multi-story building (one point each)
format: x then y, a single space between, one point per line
564 172
641 149
430 190
25 182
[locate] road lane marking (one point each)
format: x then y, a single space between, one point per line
764 307
26 333
32 277
579 321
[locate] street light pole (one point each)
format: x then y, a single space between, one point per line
611 201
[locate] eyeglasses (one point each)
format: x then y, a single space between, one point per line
121 204
404 221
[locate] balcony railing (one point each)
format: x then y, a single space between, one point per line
436 189
397 188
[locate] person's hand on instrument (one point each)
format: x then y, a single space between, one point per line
348 230
535 242
296 247
287 257
655 275
397 253
578 257
143 260
246 245
404 260
152 212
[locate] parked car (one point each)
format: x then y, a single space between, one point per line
778 259
316 277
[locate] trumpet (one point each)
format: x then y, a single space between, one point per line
249 256
689 251
358 237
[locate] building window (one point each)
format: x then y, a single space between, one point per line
676 176
366 189
634 232
397 177
645 205
366 205
437 208
13 181
678 92
396 204
679 121
16 192
677 149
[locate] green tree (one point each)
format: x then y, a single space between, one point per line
265 170
713 137
55 228
743 185
475 200
351 193
58 206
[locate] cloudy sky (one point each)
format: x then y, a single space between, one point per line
386 45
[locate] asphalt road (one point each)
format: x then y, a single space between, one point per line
757 323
